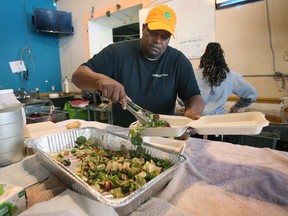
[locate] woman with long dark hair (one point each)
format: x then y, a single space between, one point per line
217 82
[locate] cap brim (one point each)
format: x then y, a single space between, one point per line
160 26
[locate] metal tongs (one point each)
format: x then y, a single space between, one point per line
142 115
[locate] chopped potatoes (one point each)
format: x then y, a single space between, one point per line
75 124
118 173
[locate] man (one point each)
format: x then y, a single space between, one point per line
147 70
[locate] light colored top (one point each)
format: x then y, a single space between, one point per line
216 99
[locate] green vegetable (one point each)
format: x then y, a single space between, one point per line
81 140
2 189
8 209
116 172
135 130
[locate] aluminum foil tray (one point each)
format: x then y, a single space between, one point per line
46 145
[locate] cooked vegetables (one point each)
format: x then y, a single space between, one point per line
118 173
135 130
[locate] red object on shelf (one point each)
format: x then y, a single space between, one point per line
79 103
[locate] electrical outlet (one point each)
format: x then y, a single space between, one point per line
286 55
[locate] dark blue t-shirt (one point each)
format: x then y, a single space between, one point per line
154 85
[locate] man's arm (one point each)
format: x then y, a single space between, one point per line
194 107
85 78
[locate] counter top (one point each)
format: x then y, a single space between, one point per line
218 179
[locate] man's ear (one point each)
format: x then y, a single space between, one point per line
144 26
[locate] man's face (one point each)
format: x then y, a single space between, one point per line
154 42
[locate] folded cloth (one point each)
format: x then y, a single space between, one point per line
224 179
69 203
44 191
24 173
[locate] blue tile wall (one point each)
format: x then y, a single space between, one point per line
18 36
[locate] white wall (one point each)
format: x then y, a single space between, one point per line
72 49
99 37
242 31
244 34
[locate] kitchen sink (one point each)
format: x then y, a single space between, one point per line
30 101
38 113
27 97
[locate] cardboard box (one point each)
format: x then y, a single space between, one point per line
12 200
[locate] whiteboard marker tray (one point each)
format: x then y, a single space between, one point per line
247 123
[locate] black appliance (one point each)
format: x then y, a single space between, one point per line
52 21
92 95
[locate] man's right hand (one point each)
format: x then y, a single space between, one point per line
85 78
112 90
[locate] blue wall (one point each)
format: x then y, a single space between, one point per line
17 35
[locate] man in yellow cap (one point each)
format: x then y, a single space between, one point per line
162 17
147 70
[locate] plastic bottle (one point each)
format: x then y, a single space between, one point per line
66 85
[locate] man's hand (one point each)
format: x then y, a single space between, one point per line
190 131
194 107
233 110
190 113
85 78
110 88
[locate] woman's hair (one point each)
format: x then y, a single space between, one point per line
214 65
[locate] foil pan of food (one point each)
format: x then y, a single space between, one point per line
106 167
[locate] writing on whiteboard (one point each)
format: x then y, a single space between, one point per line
193 43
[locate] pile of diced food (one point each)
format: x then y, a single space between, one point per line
117 173
136 128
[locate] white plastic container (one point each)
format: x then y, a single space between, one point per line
247 123
7 98
172 145
12 133
12 199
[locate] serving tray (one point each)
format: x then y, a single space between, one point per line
46 145
247 123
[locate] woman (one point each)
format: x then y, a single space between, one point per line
217 82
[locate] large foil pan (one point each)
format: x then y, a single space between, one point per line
45 145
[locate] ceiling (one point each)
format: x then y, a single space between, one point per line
120 18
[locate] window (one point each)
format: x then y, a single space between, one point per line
229 3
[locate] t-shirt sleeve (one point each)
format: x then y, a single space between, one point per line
187 83
101 62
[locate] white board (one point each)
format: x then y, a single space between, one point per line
195 25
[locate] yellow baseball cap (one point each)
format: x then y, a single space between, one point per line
161 17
